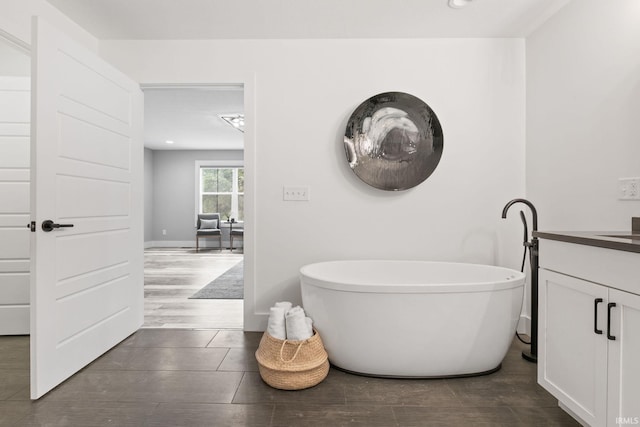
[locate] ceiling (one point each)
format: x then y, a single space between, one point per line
269 19
189 116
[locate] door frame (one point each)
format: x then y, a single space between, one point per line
252 320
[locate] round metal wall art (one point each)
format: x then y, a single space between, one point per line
393 141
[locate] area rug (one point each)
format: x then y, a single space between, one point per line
229 285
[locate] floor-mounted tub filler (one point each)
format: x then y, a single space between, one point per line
413 318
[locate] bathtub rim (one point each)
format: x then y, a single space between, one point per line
516 279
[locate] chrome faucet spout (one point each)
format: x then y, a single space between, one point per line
534 213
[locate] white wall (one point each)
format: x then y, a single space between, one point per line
583 110
15 20
299 95
14 60
174 189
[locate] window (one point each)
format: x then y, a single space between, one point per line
222 191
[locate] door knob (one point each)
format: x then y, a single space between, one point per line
49 225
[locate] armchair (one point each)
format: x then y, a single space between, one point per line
208 225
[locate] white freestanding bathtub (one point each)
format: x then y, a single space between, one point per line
413 318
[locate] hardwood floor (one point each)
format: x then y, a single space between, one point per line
172 275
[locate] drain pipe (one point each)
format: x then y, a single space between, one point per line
532 355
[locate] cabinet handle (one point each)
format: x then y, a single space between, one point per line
595 316
609 307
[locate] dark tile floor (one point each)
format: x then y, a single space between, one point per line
181 377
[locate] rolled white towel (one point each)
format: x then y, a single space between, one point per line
276 326
309 323
297 327
283 304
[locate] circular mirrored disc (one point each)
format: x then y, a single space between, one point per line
393 141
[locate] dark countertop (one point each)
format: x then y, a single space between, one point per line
602 239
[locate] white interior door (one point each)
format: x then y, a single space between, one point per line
14 204
87 280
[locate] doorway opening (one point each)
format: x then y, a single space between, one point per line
193 165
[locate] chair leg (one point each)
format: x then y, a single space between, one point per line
197 243
231 241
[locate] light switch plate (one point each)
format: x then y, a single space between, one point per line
295 194
629 189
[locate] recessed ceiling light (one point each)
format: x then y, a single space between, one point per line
169 142
458 4
235 120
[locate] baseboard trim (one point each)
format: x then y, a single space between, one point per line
255 322
524 325
209 243
15 319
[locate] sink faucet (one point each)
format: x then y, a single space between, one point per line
531 356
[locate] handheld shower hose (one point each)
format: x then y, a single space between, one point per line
531 356
524 257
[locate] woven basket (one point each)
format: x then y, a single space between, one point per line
292 365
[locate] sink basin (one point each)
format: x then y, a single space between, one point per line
623 236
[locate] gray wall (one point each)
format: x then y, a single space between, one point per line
148 194
173 200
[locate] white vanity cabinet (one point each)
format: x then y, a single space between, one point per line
589 331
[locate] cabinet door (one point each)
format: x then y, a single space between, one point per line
572 357
624 359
